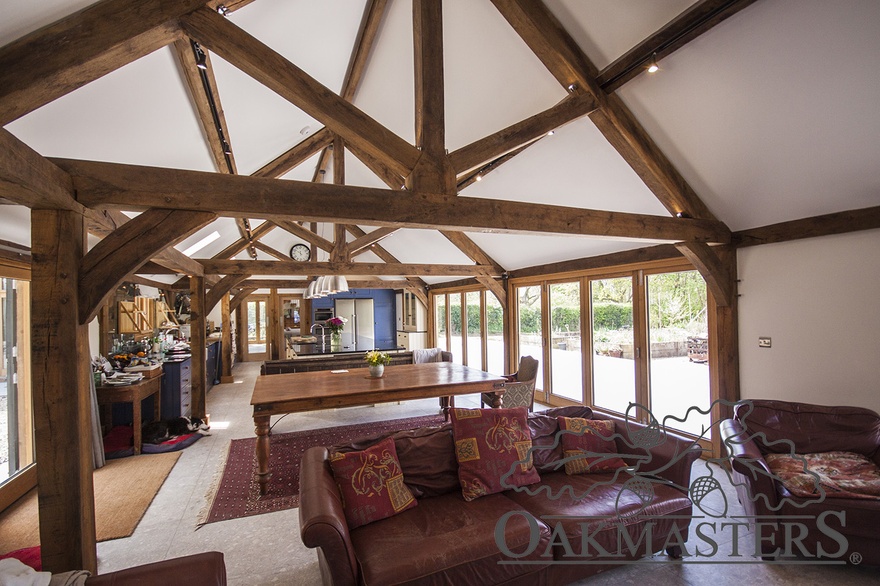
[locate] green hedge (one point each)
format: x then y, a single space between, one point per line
606 316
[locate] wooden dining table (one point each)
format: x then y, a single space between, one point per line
279 394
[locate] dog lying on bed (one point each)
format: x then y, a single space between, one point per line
157 432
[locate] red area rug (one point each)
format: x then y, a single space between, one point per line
238 494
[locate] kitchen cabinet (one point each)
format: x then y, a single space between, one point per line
412 340
414 315
177 389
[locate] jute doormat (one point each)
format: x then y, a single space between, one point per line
124 489
238 493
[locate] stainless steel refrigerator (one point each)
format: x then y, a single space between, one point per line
358 333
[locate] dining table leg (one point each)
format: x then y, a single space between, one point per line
261 427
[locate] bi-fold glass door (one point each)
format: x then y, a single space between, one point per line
16 413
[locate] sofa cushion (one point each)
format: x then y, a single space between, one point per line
588 445
446 540
371 483
601 506
493 450
838 474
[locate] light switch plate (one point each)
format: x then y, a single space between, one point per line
763 342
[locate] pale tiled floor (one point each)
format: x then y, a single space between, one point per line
266 549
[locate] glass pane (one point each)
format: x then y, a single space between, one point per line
494 335
440 320
474 339
614 369
529 327
455 327
16 414
262 322
566 368
252 320
678 329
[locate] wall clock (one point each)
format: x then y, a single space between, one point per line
300 252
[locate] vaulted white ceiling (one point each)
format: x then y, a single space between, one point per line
770 116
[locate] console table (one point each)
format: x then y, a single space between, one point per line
134 394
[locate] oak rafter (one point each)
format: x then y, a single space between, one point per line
292 83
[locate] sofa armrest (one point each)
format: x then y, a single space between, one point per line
322 519
201 569
671 458
749 466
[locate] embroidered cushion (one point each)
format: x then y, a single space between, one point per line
371 483
838 474
492 449
588 445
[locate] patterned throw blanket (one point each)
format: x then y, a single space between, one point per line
840 474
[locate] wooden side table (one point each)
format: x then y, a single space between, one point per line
134 394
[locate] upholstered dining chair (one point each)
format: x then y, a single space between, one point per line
519 390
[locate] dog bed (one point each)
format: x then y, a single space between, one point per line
118 443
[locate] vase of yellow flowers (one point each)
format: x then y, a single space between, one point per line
376 361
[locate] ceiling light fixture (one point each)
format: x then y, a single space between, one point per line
327 285
652 64
479 178
551 133
221 9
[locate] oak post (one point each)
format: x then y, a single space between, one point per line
62 411
197 346
724 346
226 341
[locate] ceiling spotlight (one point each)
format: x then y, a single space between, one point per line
221 9
551 133
652 64
227 150
572 87
201 60
479 178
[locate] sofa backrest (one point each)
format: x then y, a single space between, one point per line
427 455
812 428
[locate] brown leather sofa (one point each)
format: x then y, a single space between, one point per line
509 537
201 569
761 427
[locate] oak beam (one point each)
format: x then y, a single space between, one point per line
566 61
61 397
292 83
718 277
270 251
303 283
678 32
472 250
298 153
61 57
272 267
496 287
363 243
613 259
105 267
417 283
244 229
242 243
133 187
303 233
513 137
363 46
222 287
235 302
824 225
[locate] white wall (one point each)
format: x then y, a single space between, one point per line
819 301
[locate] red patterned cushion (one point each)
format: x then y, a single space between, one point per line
586 447
491 444
839 474
371 483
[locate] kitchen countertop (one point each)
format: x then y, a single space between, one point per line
319 350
